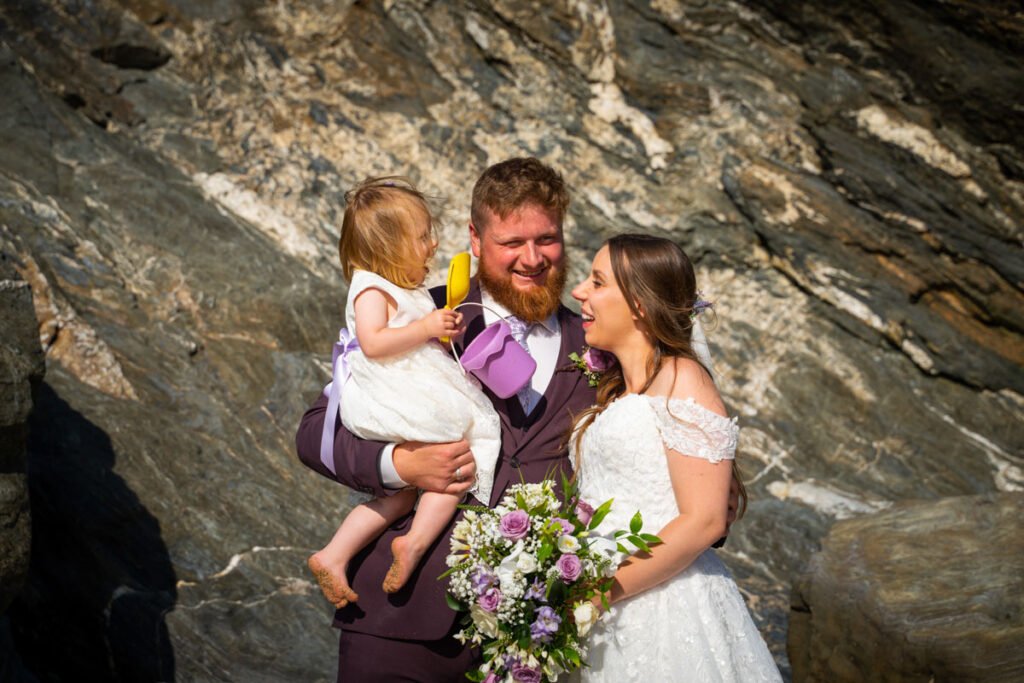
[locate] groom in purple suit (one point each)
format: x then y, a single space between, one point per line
517 211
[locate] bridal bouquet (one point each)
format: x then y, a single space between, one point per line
525 571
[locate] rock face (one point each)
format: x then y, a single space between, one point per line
171 184
21 366
921 592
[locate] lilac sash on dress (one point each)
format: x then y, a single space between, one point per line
345 345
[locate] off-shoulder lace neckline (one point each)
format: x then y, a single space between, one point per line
688 401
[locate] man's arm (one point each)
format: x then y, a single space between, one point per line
357 461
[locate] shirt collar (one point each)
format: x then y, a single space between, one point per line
550 324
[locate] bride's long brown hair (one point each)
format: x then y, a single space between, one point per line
657 280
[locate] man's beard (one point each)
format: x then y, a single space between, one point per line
533 306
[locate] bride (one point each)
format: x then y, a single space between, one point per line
659 441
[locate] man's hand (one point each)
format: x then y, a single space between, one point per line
731 511
437 467
734 504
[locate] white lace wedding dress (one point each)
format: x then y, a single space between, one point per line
695 626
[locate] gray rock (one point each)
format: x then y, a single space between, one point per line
930 591
21 367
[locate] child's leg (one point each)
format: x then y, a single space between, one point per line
432 516
364 523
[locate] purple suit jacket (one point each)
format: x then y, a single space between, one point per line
531 448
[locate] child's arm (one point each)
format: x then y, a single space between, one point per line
377 340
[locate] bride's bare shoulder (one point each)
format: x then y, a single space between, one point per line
687 378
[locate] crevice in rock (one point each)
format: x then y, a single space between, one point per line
73 100
127 56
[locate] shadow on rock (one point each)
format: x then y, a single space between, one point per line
101 579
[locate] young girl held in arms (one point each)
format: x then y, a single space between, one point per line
403 385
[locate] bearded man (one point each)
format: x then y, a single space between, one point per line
518 207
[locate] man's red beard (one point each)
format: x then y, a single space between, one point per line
533 306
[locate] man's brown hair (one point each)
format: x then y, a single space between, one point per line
514 183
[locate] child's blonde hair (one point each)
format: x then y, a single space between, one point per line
382 217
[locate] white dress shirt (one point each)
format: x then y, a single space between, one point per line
544 339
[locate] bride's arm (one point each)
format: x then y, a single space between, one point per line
702 491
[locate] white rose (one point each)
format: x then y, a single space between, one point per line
485 622
526 563
585 615
568 544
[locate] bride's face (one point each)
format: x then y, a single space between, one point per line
607 320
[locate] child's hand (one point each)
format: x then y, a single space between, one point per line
443 323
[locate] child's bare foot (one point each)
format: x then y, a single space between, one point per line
406 558
333 582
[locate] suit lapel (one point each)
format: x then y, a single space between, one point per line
563 383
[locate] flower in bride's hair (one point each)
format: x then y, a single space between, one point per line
700 305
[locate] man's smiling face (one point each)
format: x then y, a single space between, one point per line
522 260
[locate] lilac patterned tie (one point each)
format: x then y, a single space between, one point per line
519 329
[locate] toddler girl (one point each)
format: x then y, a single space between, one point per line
403 385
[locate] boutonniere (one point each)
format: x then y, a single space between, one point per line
592 362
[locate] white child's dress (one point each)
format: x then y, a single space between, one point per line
421 395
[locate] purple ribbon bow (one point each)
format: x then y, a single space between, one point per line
346 344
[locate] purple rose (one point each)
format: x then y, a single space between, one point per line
524 674
597 360
565 524
545 626
514 525
492 678
569 567
584 512
490 600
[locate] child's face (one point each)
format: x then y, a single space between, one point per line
422 250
